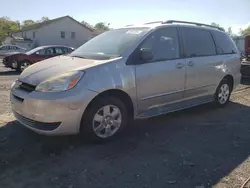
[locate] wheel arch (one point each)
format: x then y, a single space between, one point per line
123 96
230 78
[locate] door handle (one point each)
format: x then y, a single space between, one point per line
190 64
179 65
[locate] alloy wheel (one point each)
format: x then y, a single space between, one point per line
24 65
223 94
14 64
107 121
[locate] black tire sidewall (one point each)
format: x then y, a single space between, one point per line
86 124
19 65
216 96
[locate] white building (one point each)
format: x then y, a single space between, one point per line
60 31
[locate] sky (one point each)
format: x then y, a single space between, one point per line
234 13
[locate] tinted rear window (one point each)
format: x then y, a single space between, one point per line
197 42
224 43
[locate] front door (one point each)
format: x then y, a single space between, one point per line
161 80
201 62
43 54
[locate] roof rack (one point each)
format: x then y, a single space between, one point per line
146 23
194 23
154 22
184 22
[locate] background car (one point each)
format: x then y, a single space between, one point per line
5 49
20 61
243 45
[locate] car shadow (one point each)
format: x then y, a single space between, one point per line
190 148
9 73
245 80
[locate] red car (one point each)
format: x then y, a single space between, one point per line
243 44
20 61
247 47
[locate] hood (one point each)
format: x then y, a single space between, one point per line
12 53
38 72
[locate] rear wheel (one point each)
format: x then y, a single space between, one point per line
23 65
14 64
223 93
105 118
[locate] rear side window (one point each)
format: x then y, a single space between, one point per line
197 42
13 47
67 50
45 51
59 50
224 43
70 50
163 43
5 48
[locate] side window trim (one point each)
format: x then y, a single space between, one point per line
181 43
216 47
54 50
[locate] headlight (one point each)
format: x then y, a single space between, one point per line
15 84
60 82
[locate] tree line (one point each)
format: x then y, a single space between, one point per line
7 25
243 32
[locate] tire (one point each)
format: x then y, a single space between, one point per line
14 64
223 93
104 119
23 65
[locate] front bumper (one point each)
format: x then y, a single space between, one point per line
6 62
49 116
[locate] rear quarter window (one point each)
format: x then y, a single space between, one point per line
69 50
197 42
224 43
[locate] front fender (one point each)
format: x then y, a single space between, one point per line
113 75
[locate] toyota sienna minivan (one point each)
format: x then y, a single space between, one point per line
134 72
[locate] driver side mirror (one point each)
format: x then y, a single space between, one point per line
146 54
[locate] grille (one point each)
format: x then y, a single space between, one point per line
36 124
24 120
27 87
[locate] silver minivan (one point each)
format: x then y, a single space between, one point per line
134 72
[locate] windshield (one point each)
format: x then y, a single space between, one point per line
33 50
110 44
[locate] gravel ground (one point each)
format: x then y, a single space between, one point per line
200 147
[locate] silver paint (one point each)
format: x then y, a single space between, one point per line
154 88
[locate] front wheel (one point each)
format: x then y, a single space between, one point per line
223 93
106 117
